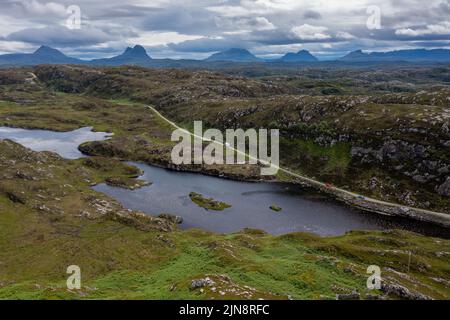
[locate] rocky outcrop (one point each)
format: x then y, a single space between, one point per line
391 150
351 296
141 221
402 292
104 148
412 160
172 218
200 283
126 183
68 78
444 189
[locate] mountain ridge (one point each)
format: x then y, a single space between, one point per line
410 55
234 55
43 54
137 55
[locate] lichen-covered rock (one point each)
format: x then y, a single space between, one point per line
172 218
200 283
351 296
444 189
402 292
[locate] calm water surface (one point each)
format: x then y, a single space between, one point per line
64 143
303 210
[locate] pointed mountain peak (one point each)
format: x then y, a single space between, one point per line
131 56
127 50
47 51
357 53
137 51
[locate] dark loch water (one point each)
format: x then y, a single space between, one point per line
302 210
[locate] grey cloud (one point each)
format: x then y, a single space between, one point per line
210 45
311 14
445 7
187 21
248 24
61 36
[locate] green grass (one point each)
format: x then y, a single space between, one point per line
322 162
208 203
275 208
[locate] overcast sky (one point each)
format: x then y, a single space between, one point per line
197 28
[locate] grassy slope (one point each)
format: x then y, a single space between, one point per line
119 261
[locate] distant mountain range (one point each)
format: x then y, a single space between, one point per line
415 55
138 56
242 55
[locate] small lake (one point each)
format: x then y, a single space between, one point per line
303 210
64 143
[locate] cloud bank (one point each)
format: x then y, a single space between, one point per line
196 28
